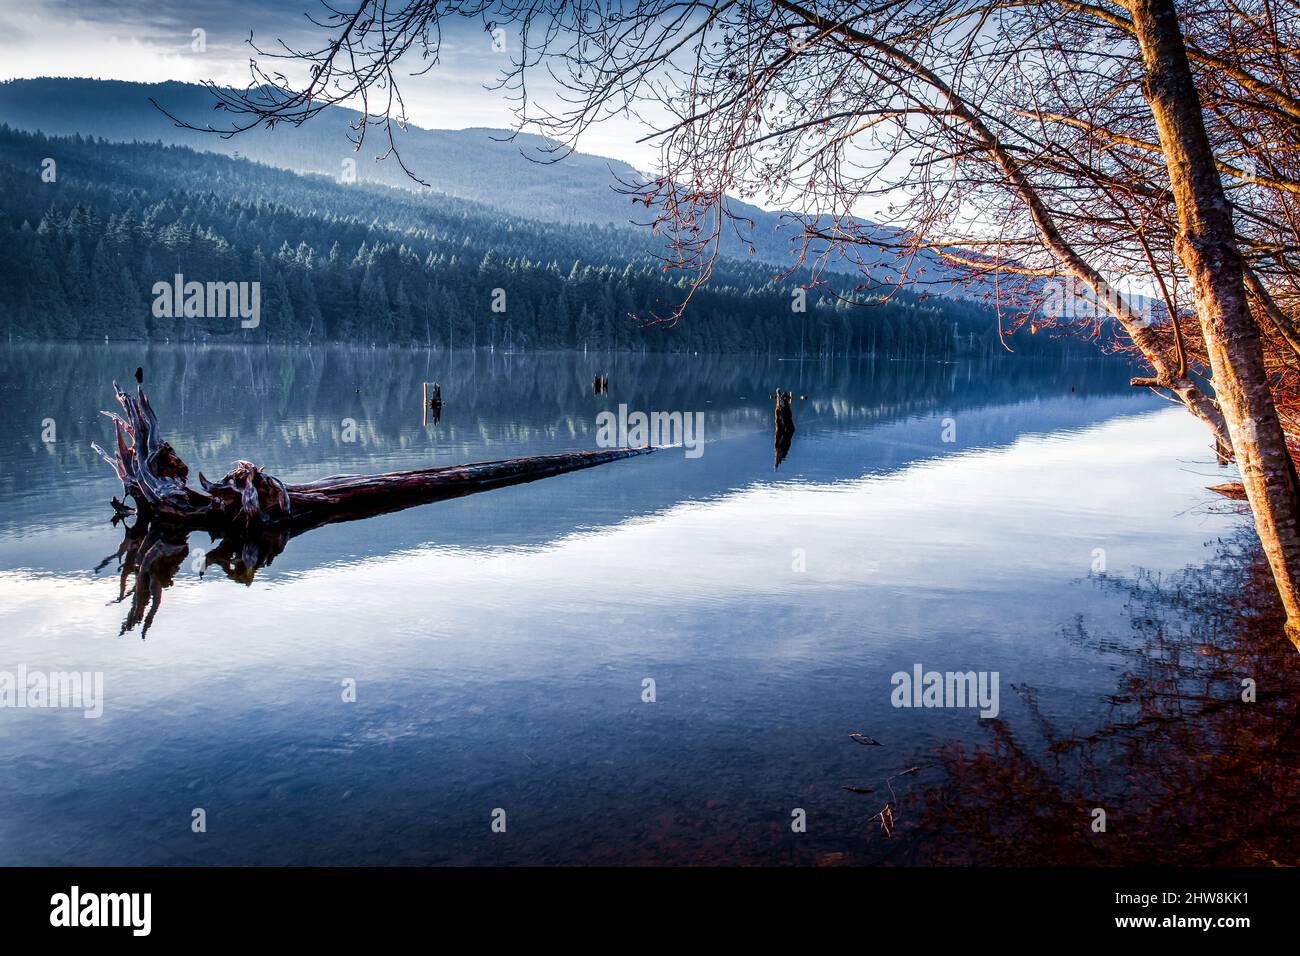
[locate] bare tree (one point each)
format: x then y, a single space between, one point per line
1015 143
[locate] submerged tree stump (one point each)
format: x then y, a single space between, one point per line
782 426
247 498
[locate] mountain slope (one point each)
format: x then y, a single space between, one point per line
476 164
81 256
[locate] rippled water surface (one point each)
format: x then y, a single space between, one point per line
500 643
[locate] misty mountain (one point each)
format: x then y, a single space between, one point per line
483 165
83 249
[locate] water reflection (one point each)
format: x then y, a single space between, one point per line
155 543
500 640
300 413
151 554
147 561
1195 764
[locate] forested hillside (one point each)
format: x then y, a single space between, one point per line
79 256
512 174
475 164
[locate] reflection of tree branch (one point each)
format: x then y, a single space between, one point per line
1187 772
886 814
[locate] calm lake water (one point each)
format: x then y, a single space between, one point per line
500 643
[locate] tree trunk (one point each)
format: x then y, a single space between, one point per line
1207 249
1168 374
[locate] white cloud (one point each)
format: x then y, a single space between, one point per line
151 43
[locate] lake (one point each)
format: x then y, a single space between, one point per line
658 660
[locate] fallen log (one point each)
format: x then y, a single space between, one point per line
247 498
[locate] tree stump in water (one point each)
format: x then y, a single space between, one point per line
783 426
432 404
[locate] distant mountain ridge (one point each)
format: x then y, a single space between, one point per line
466 163
484 165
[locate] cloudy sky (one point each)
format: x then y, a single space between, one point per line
152 40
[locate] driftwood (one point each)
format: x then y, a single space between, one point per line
248 499
1232 489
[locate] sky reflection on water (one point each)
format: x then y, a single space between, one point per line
499 642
